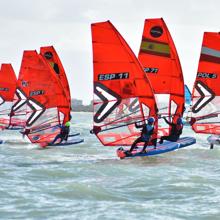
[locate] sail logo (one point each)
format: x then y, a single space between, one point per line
36 137
207 75
4 89
151 70
24 83
113 76
110 100
37 92
36 107
2 100
155 47
156 31
206 96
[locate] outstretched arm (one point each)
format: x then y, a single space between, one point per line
138 126
169 123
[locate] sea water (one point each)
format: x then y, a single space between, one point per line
88 181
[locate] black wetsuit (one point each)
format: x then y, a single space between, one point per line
147 131
67 131
175 132
63 135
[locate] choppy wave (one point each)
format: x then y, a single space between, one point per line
87 181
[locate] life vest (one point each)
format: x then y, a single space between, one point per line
147 132
64 130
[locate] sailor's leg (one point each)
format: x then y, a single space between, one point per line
62 138
145 146
211 146
162 139
154 142
135 143
55 139
167 138
66 137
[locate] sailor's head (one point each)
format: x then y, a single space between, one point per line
48 55
179 121
67 124
151 120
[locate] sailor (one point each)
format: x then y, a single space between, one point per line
213 139
64 133
67 124
192 121
70 116
175 132
49 56
25 132
146 133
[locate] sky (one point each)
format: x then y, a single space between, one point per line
65 24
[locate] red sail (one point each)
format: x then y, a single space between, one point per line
41 97
206 90
51 57
122 92
161 64
7 89
7 82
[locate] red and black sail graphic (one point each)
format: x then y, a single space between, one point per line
206 96
106 96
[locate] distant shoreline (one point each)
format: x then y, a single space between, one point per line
77 106
75 110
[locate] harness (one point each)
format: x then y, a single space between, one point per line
147 132
64 130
